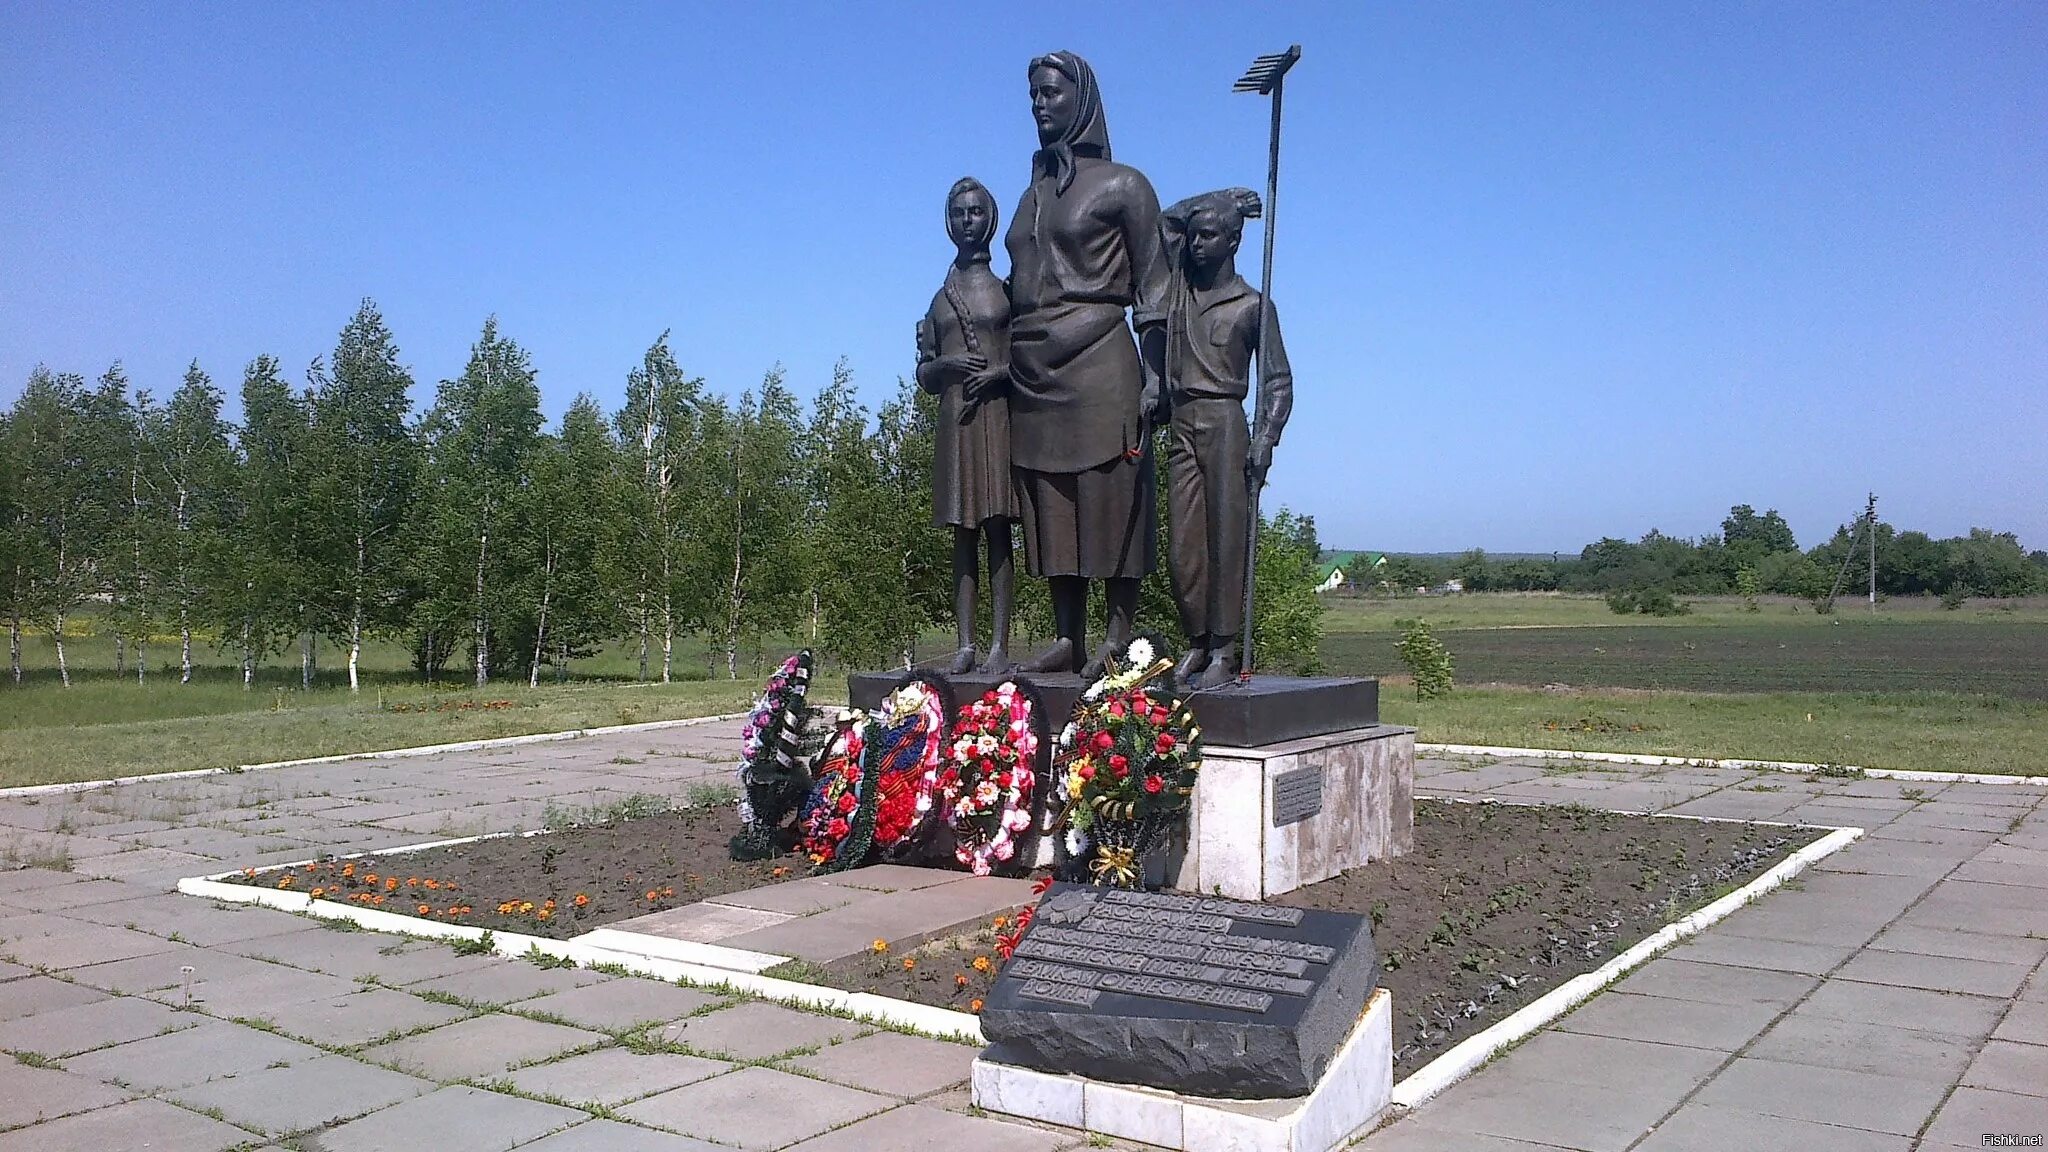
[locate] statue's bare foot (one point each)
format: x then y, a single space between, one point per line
1191 664
1094 669
962 662
1059 657
998 662
1221 670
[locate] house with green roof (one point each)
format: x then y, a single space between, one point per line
1344 568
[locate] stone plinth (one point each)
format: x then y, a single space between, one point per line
1197 994
1345 1103
1271 819
1261 711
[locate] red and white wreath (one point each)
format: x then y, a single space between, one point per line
986 780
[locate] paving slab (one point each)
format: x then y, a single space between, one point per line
2004 1066
621 1005
76 943
702 922
804 897
32 994
69 1031
917 1126
610 1136
303 1095
1758 952
757 1108
1967 945
904 918
1577 1116
29 1095
138 1124
2026 1022
1662 1070
614 1076
1971 1113
452 1119
1719 1027
1955 1013
258 992
508 982
891 1063
360 1017
757 1030
1888 1104
480 1047
189 1056
1864 1046
1717 983
193 922
1714 1128
1940 973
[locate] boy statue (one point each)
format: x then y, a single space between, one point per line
1213 332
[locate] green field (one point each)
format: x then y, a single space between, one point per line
1909 686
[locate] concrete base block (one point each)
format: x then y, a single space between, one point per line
1241 841
1345 1104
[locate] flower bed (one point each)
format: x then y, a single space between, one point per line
1496 905
557 885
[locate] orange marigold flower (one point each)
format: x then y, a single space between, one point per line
974 1005
412 881
377 900
285 883
780 871
960 980
909 964
1001 922
879 947
391 883
543 913
525 906
310 867
434 884
348 869
653 895
982 964
248 871
318 893
425 910
582 900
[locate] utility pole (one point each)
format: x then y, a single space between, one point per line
1870 526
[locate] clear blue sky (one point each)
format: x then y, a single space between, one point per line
1549 272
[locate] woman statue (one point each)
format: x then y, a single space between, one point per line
963 357
1084 247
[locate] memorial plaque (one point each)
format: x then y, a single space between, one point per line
1196 994
1297 795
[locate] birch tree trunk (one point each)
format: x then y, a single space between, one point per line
248 657
57 634
643 636
14 647
739 505
184 641
540 632
184 590
306 660
120 654
355 648
480 627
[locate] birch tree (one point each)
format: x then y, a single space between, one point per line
265 588
566 515
62 506
366 469
760 517
661 425
194 469
14 554
479 439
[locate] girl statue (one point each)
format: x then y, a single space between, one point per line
963 354
1084 250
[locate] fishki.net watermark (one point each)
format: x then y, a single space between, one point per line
2010 1140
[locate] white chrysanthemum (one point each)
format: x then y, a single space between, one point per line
1094 691
1140 653
1077 842
1067 735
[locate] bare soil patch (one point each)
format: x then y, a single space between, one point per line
581 877
1497 905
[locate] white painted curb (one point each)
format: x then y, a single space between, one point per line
1740 765
1473 1051
387 754
941 1022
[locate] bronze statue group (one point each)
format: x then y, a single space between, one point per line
1048 404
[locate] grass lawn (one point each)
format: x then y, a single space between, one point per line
1929 732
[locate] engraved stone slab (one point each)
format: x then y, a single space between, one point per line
1297 795
1197 994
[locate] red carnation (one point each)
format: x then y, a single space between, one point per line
838 828
988 697
1161 715
846 803
1086 772
1104 740
1165 742
1119 764
1154 784
1116 709
1141 701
